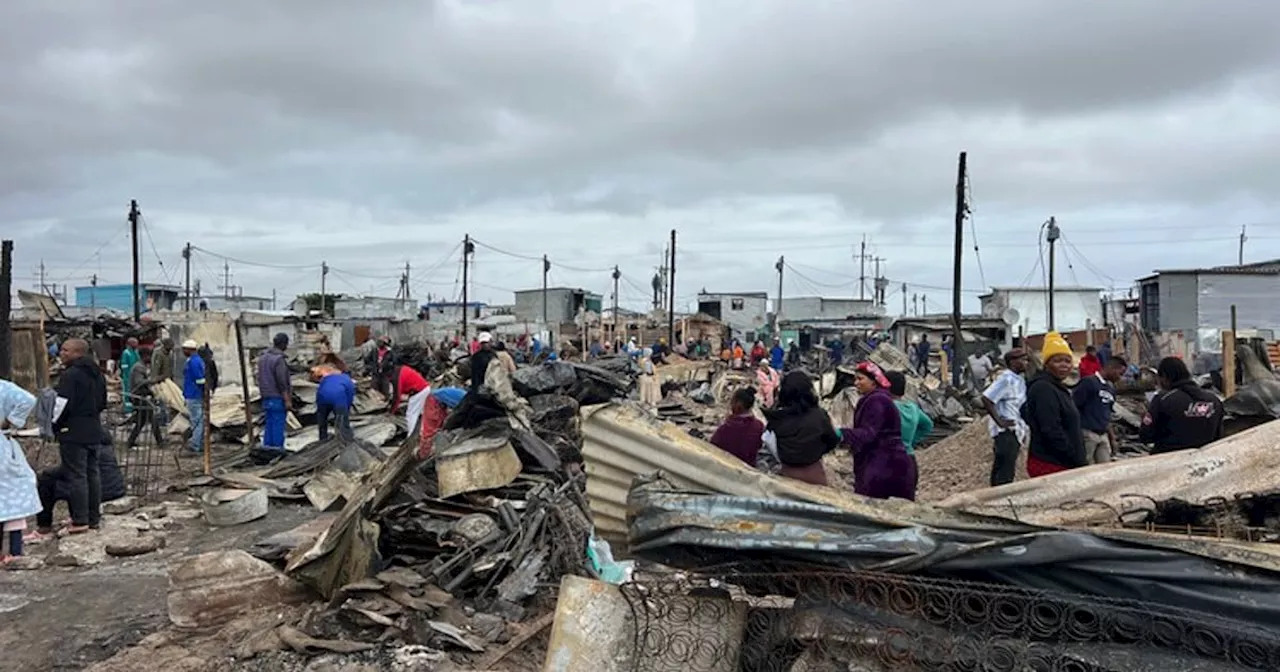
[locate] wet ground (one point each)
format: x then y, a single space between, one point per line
57 618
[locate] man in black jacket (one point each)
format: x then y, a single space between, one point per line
1181 415
79 431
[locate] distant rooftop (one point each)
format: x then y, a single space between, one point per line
1269 267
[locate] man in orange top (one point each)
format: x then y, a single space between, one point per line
738 354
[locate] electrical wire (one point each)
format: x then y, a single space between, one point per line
567 267
973 227
815 283
1088 264
91 256
286 267
146 228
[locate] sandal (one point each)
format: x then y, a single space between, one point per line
38 535
70 530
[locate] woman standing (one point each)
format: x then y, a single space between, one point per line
18 495
767 379
740 434
881 466
1057 443
803 430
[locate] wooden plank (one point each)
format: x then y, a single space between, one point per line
1228 363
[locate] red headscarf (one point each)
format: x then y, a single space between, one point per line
873 372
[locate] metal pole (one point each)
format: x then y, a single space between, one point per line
616 276
671 313
1052 236
324 275
466 253
186 255
546 270
957 341
133 227
777 311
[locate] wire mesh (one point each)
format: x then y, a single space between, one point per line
139 442
868 621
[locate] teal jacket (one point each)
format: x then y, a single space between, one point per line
915 424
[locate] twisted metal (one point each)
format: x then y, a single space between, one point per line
870 621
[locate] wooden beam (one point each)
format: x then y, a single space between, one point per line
1228 363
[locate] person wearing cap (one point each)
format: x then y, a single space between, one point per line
1057 443
277 393
193 379
1003 400
881 466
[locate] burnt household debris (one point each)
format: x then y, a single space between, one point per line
490 503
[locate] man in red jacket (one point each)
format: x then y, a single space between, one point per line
1089 364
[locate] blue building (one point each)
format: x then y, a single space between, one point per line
120 297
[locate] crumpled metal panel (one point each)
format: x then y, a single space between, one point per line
1241 464
622 441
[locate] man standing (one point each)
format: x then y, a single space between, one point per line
1095 396
193 380
1090 365
162 361
277 393
1003 401
79 431
146 409
979 369
837 352
923 348
777 356
128 360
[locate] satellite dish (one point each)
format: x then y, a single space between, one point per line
1010 316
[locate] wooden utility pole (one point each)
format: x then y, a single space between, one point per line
546 272
134 215
407 294
1240 256
6 307
93 295
777 310
1229 366
962 210
862 269
671 312
904 299
1052 236
244 380
467 249
186 257
617 275
324 276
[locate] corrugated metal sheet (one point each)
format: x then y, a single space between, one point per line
1247 462
622 441
1254 297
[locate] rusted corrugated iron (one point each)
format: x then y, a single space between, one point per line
622 441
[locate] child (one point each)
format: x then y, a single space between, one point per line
19 497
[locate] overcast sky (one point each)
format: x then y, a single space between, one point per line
371 134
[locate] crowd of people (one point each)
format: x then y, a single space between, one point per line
1060 426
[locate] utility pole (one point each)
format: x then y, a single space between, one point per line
962 210
226 279
546 271
186 257
862 269
617 275
671 313
324 276
1052 236
43 290
273 298
904 299
777 310
93 294
6 307
1240 257
467 249
915 305
407 297
880 283
134 215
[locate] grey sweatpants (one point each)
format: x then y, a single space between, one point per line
1097 448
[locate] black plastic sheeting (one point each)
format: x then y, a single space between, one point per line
696 531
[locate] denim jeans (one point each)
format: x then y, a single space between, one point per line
341 419
195 412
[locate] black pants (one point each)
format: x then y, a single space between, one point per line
144 414
79 471
341 419
1005 461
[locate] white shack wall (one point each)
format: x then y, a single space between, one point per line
1254 296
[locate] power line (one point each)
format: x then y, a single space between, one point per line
813 282
286 267
146 228
95 253
973 226
557 264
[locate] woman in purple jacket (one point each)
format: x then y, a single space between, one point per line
881 466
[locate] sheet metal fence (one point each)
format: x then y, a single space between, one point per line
872 622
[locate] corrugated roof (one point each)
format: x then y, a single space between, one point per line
1269 267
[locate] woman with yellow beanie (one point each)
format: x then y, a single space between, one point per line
1057 443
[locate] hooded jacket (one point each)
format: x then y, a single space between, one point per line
85 390
1054 422
1181 418
881 466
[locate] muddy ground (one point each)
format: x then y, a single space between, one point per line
57 618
